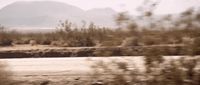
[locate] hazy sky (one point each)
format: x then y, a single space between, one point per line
165 6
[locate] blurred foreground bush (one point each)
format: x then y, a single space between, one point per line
184 71
5 75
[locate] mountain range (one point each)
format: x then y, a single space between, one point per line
49 13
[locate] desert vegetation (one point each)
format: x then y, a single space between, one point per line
158 70
152 37
5 75
183 71
128 33
182 31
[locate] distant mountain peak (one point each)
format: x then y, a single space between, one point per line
105 10
48 13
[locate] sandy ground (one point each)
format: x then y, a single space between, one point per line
31 70
63 69
29 47
55 66
65 66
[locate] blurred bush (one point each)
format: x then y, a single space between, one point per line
183 71
5 75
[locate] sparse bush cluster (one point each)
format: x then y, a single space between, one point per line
5 37
128 34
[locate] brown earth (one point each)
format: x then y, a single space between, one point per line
28 51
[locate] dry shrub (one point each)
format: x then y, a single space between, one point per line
131 41
45 42
114 73
33 42
5 39
102 52
59 43
5 75
22 41
153 54
151 40
110 43
196 46
108 51
184 71
5 42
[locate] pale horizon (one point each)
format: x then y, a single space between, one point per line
165 6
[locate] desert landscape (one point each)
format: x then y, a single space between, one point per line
75 43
